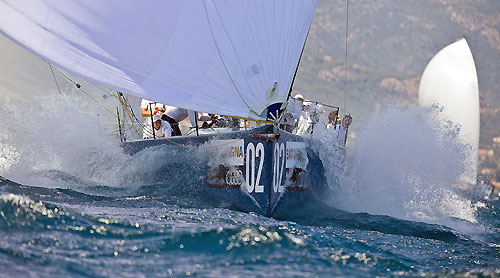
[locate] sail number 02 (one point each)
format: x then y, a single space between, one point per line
279 164
252 182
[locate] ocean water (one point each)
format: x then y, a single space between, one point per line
72 204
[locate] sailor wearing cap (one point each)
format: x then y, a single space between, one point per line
305 122
292 113
149 109
161 128
173 115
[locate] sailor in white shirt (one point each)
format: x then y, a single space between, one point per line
292 113
173 115
162 128
305 121
148 109
336 128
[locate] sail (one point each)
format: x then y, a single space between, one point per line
23 74
26 76
450 81
229 57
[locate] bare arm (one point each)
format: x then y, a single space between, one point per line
144 112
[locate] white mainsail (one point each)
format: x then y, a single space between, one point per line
230 57
450 81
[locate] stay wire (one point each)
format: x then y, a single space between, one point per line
85 92
173 142
128 109
193 147
55 80
319 72
345 60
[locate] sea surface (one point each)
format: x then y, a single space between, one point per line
65 233
72 204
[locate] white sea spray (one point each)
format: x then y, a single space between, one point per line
65 133
403 163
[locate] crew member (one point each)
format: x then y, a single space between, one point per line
343 128
304 123
292 113
149 109
333 119
204 117
173 115
162 128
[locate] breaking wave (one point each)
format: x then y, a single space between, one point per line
400 163
59 133
406 164
93 210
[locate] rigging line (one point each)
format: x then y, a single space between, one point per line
249 119
125 107
55 80
129 69
87 93
133 123
133 127
213 147
345 61
131 116
319 72
219 52
137 121
298 64
76 84
186 146
182 145
130 113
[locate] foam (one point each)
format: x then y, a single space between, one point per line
406 164
66 133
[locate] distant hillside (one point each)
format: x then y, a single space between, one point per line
390 43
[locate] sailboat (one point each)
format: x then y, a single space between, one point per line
450 82
232 58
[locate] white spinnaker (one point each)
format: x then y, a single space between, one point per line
25 77
450 81
218 56
23 74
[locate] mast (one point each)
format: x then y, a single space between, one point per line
298 64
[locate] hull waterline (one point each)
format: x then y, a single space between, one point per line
263 170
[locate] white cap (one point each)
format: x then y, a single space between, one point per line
299 96
156 117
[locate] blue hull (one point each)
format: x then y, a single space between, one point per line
263 170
